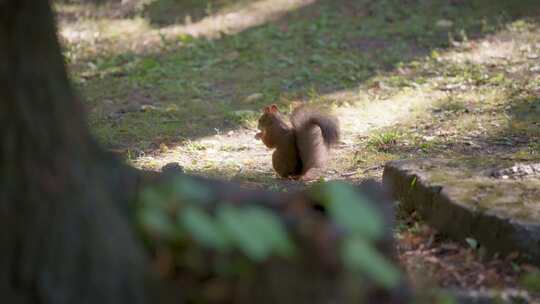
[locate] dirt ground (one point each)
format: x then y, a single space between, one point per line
439 79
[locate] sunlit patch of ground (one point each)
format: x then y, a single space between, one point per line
238 151
117 35
234 153
162 95
233 22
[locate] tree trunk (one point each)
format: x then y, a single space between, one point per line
64 237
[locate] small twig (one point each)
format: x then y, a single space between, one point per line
373 168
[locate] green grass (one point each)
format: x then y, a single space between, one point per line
324 48
345 56
384 141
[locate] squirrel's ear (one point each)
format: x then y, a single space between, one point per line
266 109
274 108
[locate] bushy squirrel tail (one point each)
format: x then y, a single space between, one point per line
303 118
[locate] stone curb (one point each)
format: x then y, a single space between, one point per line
441 205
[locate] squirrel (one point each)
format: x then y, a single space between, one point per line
301 146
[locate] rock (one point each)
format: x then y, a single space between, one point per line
172 168
465 198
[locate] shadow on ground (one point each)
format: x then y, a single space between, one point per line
168 12
199 87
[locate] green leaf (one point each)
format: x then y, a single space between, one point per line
150 196
473 243
191 191
243 232
353 211
203 228
360 255
157 221
413 183
270 229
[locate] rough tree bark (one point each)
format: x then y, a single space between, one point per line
63 233
65 204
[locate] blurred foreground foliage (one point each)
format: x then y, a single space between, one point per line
226 241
